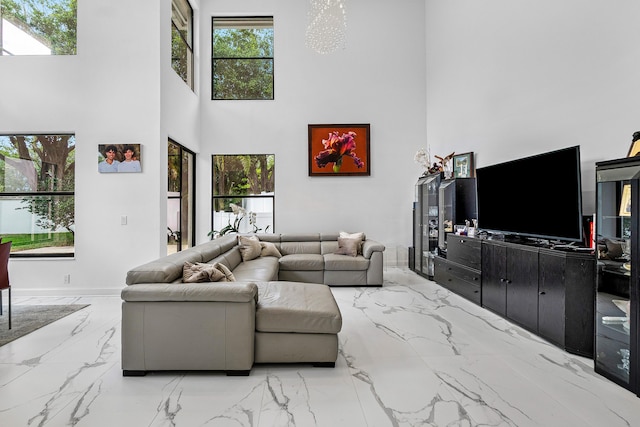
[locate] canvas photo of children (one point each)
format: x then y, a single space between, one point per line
114 158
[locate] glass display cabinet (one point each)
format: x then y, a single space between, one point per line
616 310
457 197
425 224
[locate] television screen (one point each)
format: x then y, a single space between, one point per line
538 196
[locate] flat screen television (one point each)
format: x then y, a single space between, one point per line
533 197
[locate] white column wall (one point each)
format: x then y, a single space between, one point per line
108 93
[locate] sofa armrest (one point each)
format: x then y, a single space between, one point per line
371 246
210 291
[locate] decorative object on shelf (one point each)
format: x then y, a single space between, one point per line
327 28
423 158
634 150
339 150
463 165
445 164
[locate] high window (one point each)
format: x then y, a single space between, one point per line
182 40
180 198
37 184
242 63
243 194
38 27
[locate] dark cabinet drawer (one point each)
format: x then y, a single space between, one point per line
459 279
464 250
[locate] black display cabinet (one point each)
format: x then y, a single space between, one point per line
457 204
425 224
616 303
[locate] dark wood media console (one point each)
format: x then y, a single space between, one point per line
549 292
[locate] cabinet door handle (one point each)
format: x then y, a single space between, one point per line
543 293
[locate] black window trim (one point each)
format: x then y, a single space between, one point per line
253 20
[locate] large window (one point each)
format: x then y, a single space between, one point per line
37 183
182 40
242 63
243 194
38 27
180 198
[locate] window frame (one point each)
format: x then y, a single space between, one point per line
229 195
27 194
175 6
34 31
249 22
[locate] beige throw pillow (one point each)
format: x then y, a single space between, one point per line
201 272
348 246
249 247
225 270
357 236
269 249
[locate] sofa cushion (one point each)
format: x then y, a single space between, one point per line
259 269
302 262
164 270
297 307
216 292
334 262
300 247
249 247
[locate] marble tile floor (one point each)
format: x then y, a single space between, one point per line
411 354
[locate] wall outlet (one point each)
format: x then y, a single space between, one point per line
67 279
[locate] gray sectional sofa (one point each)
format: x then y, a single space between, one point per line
279 309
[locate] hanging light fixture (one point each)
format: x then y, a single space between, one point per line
327 27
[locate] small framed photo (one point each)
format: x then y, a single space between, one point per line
463 165
119 158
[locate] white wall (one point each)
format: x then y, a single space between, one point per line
507 79
377 79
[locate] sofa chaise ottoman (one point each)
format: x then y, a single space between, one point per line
227 326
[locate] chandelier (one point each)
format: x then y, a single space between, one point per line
327 27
